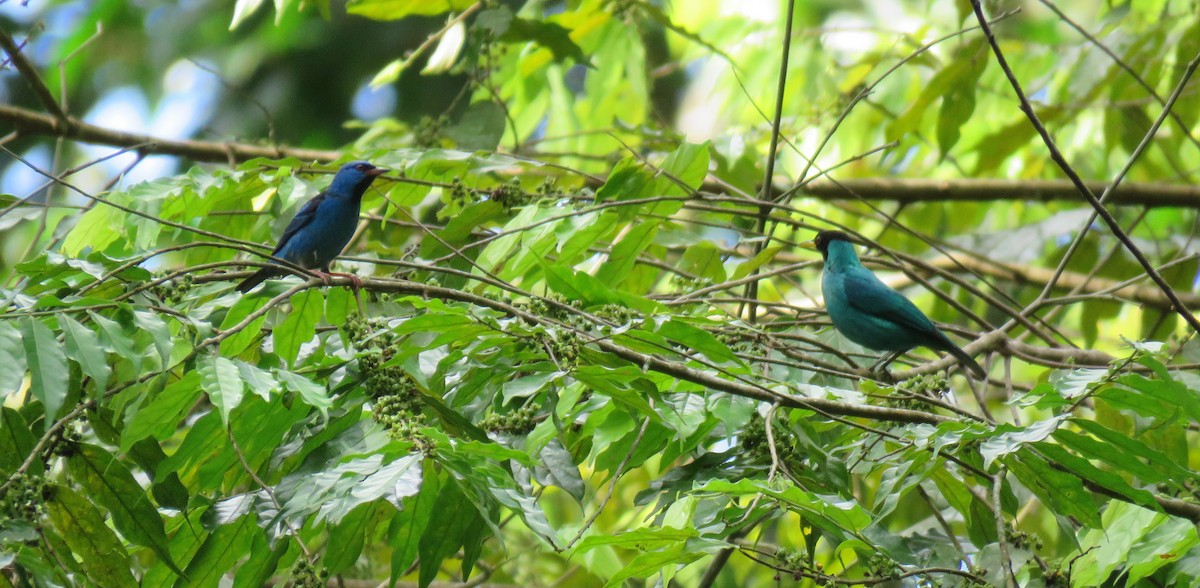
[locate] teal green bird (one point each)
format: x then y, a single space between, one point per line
870 313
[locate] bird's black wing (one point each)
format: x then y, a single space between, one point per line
302 219
867 294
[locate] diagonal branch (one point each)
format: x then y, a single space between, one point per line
29 72
1059 159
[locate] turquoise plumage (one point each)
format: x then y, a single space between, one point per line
869 313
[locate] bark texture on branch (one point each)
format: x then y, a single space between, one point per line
904 190
27 122
986 190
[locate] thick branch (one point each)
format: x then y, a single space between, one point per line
28 122
30 74
903 190
909 190
1026 274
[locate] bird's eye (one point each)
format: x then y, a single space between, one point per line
361 167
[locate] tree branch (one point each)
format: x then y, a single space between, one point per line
1061 161
60 121
901 190
28 122
913 190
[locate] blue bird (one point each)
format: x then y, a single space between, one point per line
321 229
870 313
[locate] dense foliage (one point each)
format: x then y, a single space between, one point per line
587 350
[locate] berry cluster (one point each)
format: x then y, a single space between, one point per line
518 422
902 399
456 197
172 291
882 566
935 385
66 442
753 439
556 312
563 346
1023 540
397 402
686 284
428 132
24 500
510 195
397 398
549 189
742 342
617 314
305 575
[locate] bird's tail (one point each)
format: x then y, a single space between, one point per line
256 278
967 361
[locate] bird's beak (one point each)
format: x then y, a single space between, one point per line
809 245
379 171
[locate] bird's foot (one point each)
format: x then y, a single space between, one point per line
355 281
326 278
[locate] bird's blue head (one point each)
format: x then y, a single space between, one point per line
353 179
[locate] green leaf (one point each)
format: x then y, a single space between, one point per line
236 343
480 128
452 519
347 537
96 230
642 539
16 441
311 392
556 468
1063 492
97 548
408 526
339 304
766 255
653 562
697 339
626 251
1085 470
550 35
703 259
334 492
160 334
109 483
12 359
688 164
47 366
576 285
300 325
219 553
957 108
162 415
1122 451
398 9
83 345
585 231
259 381
627 180
220 378
119 339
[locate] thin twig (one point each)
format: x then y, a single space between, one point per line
1062 163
